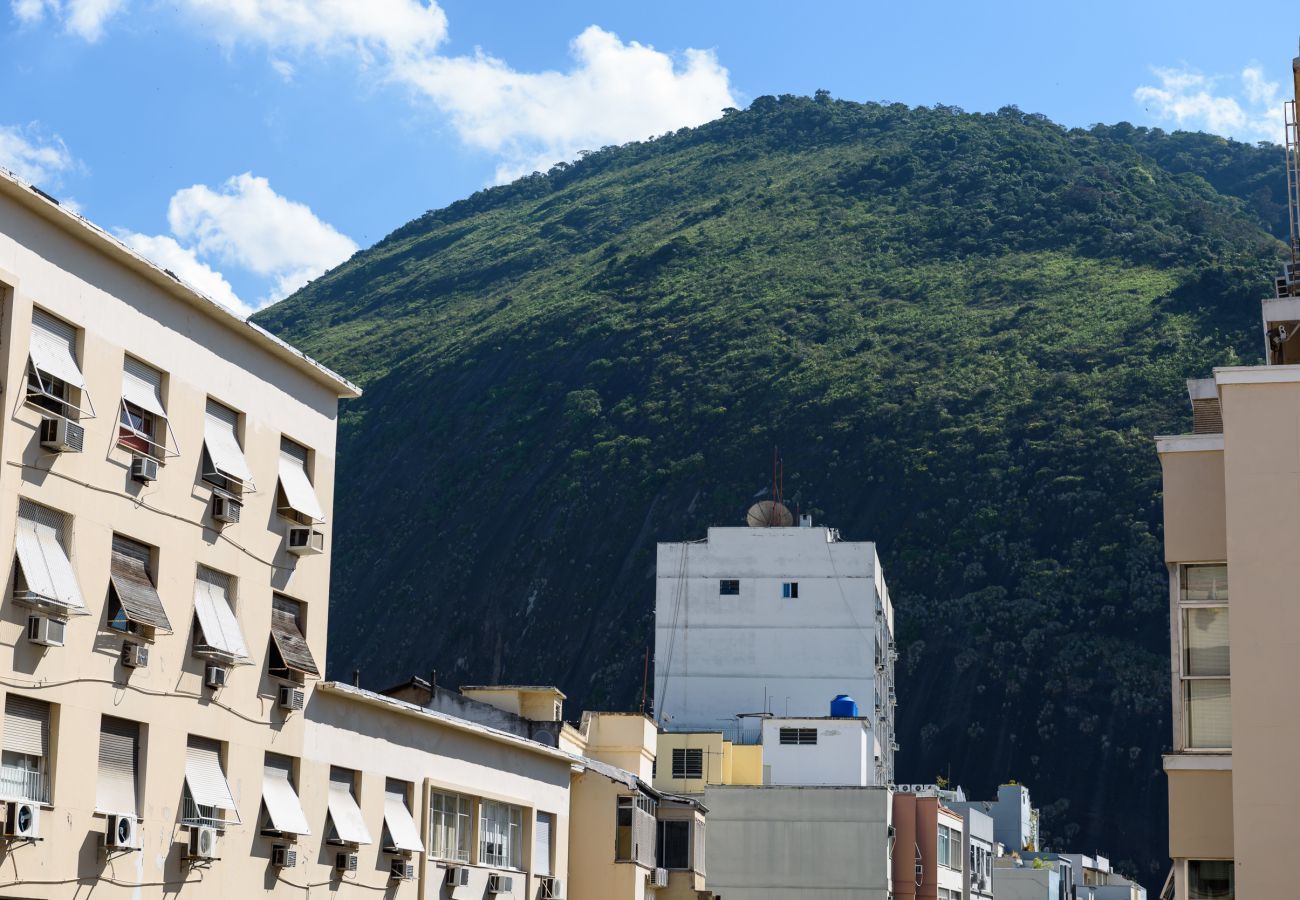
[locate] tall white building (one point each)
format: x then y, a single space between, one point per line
762 623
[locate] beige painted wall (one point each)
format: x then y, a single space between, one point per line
593 873
1195 523
1200 815
626 740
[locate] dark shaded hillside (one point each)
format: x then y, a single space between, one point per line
961 329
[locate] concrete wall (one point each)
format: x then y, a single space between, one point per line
845 753
771 843
1027 883
717 656
593 872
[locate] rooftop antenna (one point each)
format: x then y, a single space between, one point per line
772 513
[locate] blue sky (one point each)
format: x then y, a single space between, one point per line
251 144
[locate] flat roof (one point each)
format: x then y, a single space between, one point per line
1188 443
522 688
84 230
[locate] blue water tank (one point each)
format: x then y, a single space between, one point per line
844 707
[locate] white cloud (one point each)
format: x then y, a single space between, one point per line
1247 108
615 92
242 225
185 264
34 157
247 224
84 18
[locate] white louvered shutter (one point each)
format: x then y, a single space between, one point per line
207 783
118 752
27 726
54 348
142 386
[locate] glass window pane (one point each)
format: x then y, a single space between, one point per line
1209 714
1209 879
1205 640
1202 584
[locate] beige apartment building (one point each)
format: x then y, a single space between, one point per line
166 500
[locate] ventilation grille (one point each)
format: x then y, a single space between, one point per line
1207 417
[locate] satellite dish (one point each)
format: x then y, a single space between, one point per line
769 514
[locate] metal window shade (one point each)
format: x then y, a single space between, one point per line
129 574
297 487
27 726
142 386
542 843
203 775
349 824
54 348
216 618
402 830
1207 416
288 638
282 803
116 789
46 570
220 437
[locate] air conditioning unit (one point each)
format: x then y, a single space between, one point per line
46 631
122 833
203 842
500 884
291 698
214 676
552 889
880 667
144 469
303 540
62 436
23 821
283 856
657 878
401 870
226 510
345 862
135 656
458 876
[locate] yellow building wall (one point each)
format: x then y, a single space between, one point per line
593 873
747 764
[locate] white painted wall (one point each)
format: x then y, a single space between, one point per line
845 753
717 656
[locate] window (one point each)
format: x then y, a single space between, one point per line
347 825
450 827
282 810
688 763
790 590
543 843
634 832
674 845
500 835
949 851
1210 879
290 657
798 735
142 426
224 466
24 761
295 498
1205 668
54 380
119 756
207 799
133 604
43 575
729 587
402 834
216 631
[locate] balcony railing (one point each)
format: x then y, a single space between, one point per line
24 784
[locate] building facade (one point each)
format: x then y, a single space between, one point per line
929 859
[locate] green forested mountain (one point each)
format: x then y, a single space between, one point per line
962 330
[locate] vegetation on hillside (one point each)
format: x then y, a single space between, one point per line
962 330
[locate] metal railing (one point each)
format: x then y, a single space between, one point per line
25 784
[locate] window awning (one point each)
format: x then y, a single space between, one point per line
402 830
129 575
46 571
222 443
282 803
349 824
298 491
221 634
289 641
115 790
54 348
204 778
142 387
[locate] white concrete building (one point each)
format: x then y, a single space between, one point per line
776 620
821 750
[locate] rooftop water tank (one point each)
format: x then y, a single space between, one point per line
844 707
